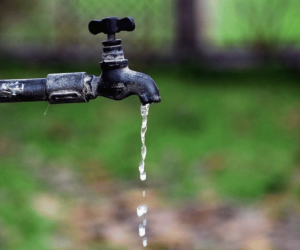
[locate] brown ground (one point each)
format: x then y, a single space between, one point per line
102 215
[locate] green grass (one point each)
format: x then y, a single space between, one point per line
22 228
234 133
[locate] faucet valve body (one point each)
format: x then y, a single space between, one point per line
113 55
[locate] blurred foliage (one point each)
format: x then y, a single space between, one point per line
28 19
60 23
264 26
258 23
21 227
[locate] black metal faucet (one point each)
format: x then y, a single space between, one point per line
116 81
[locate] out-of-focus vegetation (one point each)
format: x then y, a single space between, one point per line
226 23
65 25
234 133
271 22
22 228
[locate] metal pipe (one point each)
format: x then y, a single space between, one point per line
56 88
23 90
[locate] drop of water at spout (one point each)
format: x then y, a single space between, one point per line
145 110
142 230
141 210
144 242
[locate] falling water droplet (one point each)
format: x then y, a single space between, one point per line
143 176
145 222
142 230
144 193
144 241
141 210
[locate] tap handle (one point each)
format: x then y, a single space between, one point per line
111 25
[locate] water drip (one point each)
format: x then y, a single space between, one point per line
142 209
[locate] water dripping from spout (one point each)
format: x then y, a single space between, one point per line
144 241
143 176
142 230
142 209
144 113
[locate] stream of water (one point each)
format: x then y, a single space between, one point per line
142 209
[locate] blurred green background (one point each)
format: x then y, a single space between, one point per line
223 145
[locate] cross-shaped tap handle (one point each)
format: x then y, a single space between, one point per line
111 25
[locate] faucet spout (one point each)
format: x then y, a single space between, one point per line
119 83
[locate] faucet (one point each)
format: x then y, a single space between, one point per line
116 81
